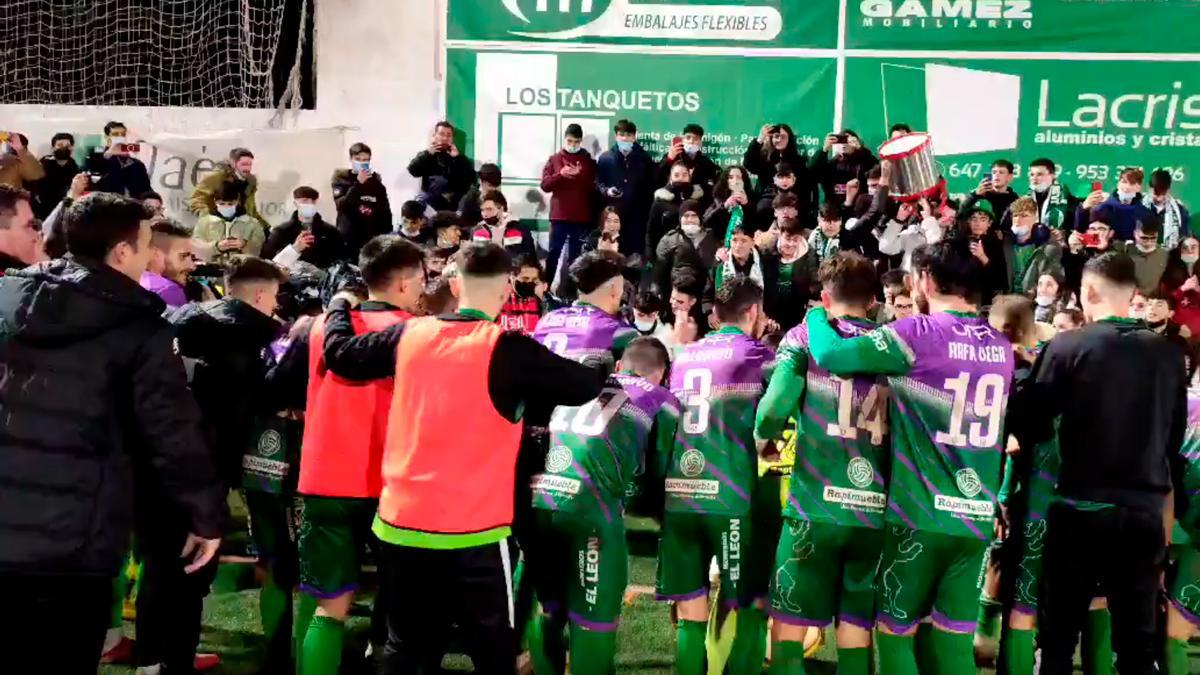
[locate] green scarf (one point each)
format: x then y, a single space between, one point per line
1054 210
726 268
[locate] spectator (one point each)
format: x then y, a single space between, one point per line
785 206
1056 205
665 213
1050 297
1149 259
776 145
687 318
1027 253
1160 314
860 232
442 160
730 191
54 232
842 159
489 179
858 201
741 259
500 227
623 175
154 201
1176 221
688 246
525 304
789 271
363 209
1181 263
647 308
899 129
784 183
59 168
903 306
20 241
1124 208
824 240
608 235
113 167
996 187
447 230
690 152
95 407
414 226
1082 247
18 167
1068 319
306 236
229 230
237 175
910 230
570 178
171 261
974 227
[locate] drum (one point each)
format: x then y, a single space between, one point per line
915 172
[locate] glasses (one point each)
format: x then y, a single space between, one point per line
903 306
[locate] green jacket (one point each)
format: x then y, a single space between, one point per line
210 230
204 197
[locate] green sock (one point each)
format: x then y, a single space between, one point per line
322 652
787 658
896 654
546 647
1177 658
689 647
1097 650
750 642
924 648
1017 648
305 608
119 586
988 623
954 653
854 661
272 606
592 652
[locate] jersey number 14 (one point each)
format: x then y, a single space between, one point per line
872 415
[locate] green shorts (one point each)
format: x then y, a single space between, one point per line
334 533
929 574
1185 587
580 567
766 517
1028 573
274 521
687 545
825 571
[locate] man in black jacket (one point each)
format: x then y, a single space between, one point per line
227 337
363 210
305 237
442 160
1119 393
93 410
59 167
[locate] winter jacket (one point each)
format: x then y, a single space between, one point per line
1000 201
902 239
327 248
764 168
457 173
1046 260
227 337
121 175
996 279
511 234
786 295
1122 217
631 174
363 210
570 198
1177 271
468 206
204 197
705 172
677 250
210 230
1038 265
832 174
716 218
664 216
94 407
1147 267
53 187
20 170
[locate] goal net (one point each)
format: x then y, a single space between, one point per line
194 53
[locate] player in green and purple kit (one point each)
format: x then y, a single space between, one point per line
1183 612
833 518
592 327
710 479
577 557
949 375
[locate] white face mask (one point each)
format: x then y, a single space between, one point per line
306 211
645 326
691 148
226 211
1044 300
1041 188
1189 258
1147 248
1125 197
690 229
1021 232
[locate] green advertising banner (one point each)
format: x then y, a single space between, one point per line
1095 85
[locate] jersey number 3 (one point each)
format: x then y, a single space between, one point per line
872 416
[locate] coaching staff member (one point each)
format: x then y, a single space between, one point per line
94 406
1120 393
462 389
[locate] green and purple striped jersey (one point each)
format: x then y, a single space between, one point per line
1190 519
582 331
949 374
714 465
840 471
599 448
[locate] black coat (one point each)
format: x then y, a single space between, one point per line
227 337
53 187
787 302
91 395
327 248
363 210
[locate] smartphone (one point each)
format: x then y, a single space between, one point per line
841 138
678 140
1097 186
1091 240
131 148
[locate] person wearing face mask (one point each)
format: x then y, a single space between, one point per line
665 211
1050 297
237 172
689 245
363 209
569 177
1160 317
1149 259
526 305
623 176
228 231
1181 263
1174 215
842 159
306 236
500 227
690 152
59 168
1056 204
1125 207
789 273
647 321
1027 251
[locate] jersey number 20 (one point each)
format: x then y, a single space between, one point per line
591 418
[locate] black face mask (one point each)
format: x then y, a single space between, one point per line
492 221
1157 325
62 154
681 188
524 289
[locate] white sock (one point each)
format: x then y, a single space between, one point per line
112 638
